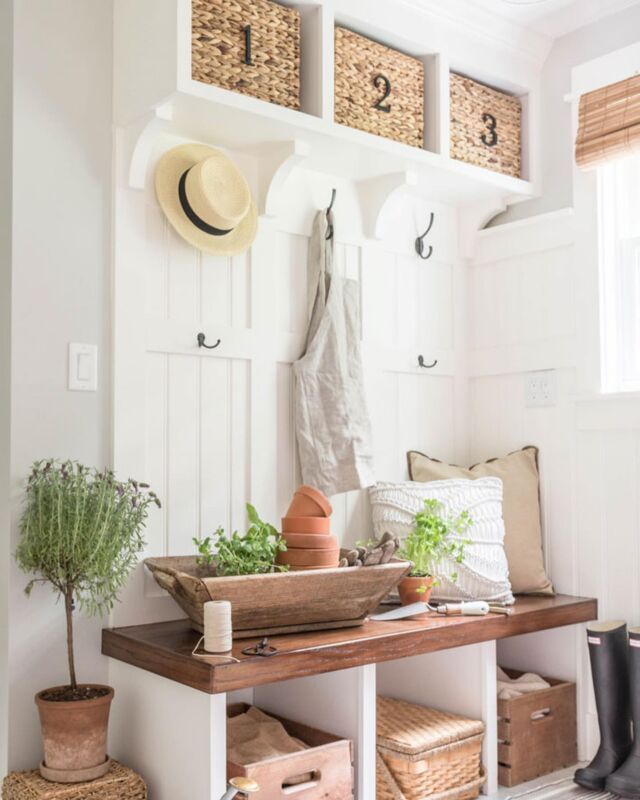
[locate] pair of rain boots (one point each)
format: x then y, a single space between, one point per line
615 669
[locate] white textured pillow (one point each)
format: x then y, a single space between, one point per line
484 573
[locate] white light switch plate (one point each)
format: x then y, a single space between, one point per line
83 367
541 388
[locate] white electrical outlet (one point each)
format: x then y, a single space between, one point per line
541 388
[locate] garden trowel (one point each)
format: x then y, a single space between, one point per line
475 608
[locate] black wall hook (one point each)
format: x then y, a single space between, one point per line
426 366
420 241
201 342
330 229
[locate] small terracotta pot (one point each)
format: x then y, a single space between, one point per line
315 541
310 558
306 525
309 502
74 735
408 590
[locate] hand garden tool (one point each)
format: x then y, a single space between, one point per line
244 785
475 608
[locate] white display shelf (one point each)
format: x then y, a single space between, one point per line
153 81
209 113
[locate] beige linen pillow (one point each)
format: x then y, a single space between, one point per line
521 509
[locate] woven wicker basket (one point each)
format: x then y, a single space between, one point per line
485 126
120 783
377 89
219 48
427 753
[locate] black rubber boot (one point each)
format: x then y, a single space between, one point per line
609 656
626 780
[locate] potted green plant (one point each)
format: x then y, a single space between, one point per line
435 537
255 553
81 533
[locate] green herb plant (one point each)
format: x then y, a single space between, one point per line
436 537
252 554
81 532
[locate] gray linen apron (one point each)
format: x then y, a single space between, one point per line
333 429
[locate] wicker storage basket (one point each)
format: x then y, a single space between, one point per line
537 732
427 753
485 126
377 89
248 46
120 783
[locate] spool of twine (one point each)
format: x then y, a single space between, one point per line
218 634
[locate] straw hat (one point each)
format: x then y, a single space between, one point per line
206 199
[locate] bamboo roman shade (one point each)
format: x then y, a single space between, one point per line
609 122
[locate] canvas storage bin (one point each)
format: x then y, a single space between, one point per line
328 761
248 46
378 89
537 732
485 126
427 753
120 783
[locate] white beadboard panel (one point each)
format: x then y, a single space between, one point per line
215 456
287 468
183 452
379 301
155 447
215 290
183 284
436 305
156 259
290 267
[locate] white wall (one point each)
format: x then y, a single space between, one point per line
532 271
583 44
61 290
6 123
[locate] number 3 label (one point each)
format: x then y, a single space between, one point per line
490 138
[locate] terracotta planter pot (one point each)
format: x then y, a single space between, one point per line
310 558
306 525
309 502
408 590
315 541
74 735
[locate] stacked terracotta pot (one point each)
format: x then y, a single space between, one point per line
307 532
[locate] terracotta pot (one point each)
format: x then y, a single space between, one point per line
74 735
306 525
315 541
408 590
309 502
310 558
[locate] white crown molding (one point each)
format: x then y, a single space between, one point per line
481 24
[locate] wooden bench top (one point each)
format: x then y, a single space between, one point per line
165 647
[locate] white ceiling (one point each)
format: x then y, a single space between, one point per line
551 18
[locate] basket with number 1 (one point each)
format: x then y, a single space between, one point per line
248 46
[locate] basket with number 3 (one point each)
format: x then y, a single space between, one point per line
378 89
485 126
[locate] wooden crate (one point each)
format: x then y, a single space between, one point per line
248 46
329 759
485 126
529 747
378 89
280 602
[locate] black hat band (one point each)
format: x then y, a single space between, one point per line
191 214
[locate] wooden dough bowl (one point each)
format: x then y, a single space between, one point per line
279 602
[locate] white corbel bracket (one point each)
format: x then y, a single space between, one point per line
142 136
373 195
277 160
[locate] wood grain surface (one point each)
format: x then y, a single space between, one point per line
165 647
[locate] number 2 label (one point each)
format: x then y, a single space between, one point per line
382 82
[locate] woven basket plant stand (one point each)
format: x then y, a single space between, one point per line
120 783
424 753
